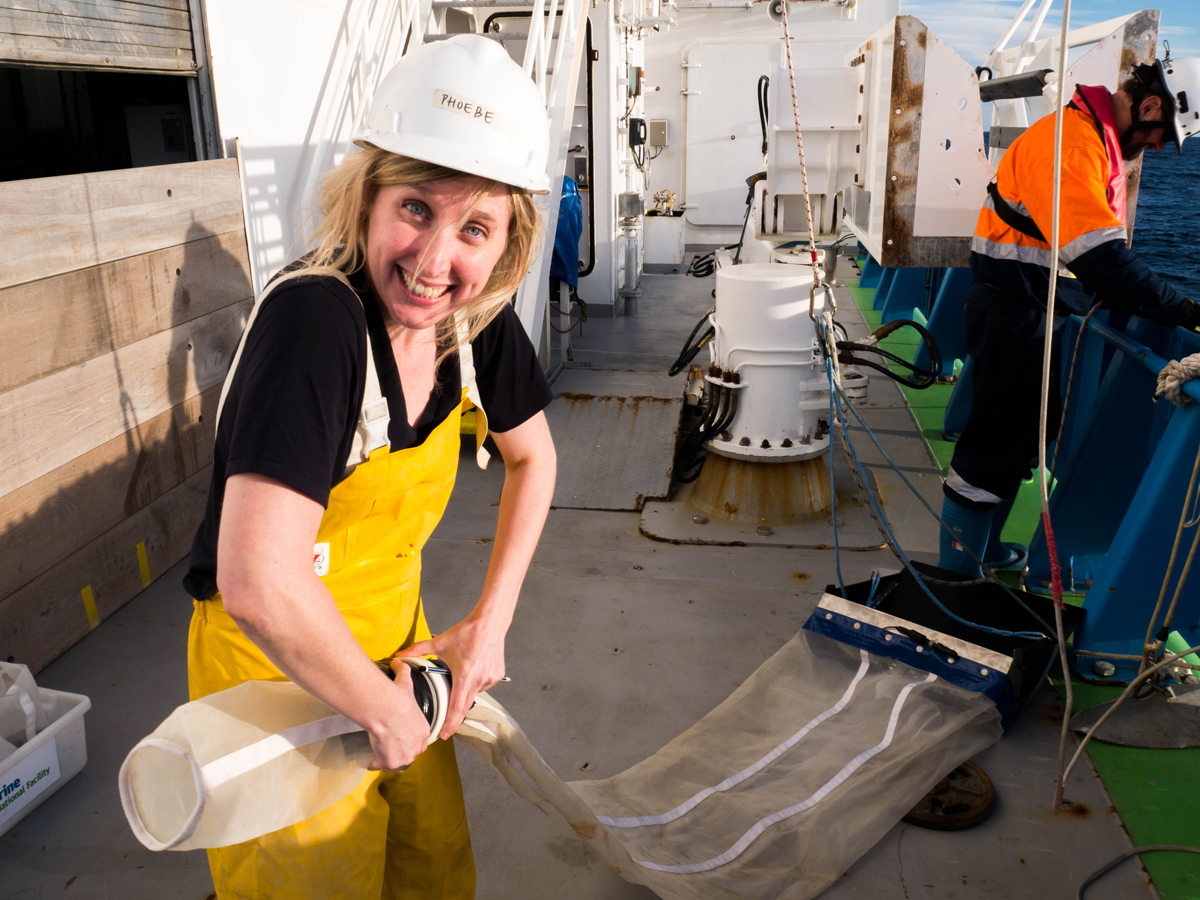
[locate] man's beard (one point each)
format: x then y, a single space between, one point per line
1128 152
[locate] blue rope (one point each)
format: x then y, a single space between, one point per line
835 402
874 587
924 502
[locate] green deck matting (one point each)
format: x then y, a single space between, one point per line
1155 791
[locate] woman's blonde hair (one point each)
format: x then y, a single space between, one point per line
347 195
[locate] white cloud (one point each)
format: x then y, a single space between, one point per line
972 28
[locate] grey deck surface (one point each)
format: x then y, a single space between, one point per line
620 643
615 436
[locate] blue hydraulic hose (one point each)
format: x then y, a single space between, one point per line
837 550
835 402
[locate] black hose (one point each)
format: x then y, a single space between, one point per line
919 378
763 108
690 454
689 351
730 412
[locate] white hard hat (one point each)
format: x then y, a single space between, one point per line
1182 80
464 104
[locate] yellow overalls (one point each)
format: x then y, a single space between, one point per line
398 834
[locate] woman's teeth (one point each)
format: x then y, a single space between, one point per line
420 290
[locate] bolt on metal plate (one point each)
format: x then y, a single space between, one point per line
700 519
766 530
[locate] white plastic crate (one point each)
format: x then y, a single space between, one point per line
44 764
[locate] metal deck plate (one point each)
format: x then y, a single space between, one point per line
1154 722
615 435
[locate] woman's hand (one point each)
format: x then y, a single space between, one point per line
401 737
474 651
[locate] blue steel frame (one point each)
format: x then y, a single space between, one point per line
1123 468
1121 488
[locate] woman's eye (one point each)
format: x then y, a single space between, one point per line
475 231
415 208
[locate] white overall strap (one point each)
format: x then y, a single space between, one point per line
373 420
372 431
466 364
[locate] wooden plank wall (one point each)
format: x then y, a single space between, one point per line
103 34
122 298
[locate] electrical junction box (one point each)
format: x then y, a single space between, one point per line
658 133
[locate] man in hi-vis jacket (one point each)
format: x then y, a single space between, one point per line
1005 313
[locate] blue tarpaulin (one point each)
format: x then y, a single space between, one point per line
565 264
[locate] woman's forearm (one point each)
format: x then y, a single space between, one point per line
300 629
269 588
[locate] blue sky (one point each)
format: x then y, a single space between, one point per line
972 26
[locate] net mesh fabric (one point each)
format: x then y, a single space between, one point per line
775 793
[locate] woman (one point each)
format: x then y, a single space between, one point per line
337 444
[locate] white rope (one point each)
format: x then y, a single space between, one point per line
1173 377
812 235
1043 474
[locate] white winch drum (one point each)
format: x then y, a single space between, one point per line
246 761
765 334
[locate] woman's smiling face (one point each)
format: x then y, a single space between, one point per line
429 253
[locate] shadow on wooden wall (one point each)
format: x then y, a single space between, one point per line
122 298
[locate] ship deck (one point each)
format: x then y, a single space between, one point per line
620 643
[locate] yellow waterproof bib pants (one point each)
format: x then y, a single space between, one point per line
398 834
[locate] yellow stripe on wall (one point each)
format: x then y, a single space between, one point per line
143 563
89 605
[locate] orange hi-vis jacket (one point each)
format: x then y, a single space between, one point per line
1092 232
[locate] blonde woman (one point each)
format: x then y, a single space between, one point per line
337 446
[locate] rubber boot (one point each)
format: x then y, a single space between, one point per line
999 554
971 529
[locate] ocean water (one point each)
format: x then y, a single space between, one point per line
1167 228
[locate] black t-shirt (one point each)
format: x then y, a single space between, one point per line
293 407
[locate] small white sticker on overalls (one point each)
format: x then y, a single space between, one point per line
321 559
476 111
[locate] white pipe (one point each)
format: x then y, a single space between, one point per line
1024 56
533 42
1010 31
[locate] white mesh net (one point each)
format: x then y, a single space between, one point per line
775 793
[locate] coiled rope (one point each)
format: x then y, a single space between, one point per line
1174 375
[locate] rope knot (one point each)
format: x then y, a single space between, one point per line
1173 377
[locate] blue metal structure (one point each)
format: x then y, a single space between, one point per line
903 292
1123 474
872 272
946 320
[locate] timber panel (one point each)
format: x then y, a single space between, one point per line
122 299
47 520
48 615
101 34
116 304
56 225
47 423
